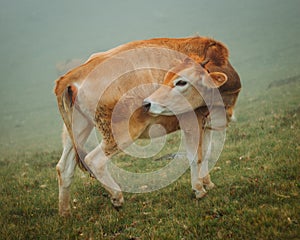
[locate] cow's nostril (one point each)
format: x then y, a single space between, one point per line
146 106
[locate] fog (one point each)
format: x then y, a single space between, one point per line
262 36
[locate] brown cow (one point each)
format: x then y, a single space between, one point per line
78 91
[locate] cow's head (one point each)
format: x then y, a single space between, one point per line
183 88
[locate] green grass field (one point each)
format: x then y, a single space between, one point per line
257 193
257 177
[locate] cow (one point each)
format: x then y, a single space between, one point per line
205 64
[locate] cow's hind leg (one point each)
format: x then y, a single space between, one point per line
97 162
65 171
66 167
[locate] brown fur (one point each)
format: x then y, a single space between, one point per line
115 136
198 48
194 45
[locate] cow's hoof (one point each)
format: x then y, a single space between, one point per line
65 213
117 208
210 186
200 194
117 201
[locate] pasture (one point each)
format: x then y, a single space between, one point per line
257 193
257 176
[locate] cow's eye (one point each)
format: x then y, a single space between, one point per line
180 83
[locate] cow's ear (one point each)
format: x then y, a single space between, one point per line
216 79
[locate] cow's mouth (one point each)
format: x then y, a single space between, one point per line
156 109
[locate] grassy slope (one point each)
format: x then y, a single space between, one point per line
257 194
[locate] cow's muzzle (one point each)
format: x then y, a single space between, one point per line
146 106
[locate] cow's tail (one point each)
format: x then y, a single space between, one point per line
66 89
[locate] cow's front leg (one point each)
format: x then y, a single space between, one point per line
192 128
97 162
200 178
208 183
195 143
205 156
197 181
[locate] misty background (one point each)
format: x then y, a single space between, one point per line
262 36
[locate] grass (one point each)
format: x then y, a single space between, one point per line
257 193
